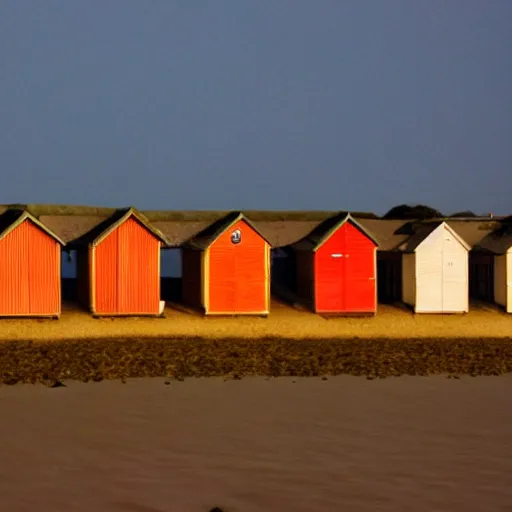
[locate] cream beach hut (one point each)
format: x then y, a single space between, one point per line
435 274
499 244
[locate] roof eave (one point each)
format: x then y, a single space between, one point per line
28 216
348 218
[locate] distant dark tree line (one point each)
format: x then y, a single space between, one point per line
420 211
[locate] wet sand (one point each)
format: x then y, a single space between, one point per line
346 443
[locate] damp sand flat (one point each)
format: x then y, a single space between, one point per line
408 443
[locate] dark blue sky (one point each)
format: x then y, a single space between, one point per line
257 104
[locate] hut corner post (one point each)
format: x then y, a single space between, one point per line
92 279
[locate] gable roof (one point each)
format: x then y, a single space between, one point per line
497 242
388 233
323 231
473 231
207 236
423 230
10 219
106 226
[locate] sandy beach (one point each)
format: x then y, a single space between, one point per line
285 444
483 321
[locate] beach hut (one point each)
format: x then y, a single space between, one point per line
118 266
498 246
435 270
30 259
481 263
226 268
389 234
336 267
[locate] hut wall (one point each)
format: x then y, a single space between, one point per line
237 279
191 265
331 273
305 277
481 276
455 275
409 279
345 273
29 273
44 267
441 274
105 264
389 276
509 281
139 269
82 277
360 264
126 272
429 274
284 269
500 279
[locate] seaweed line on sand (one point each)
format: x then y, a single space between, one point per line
178 358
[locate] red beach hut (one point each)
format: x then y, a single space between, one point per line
336 267
225 269
29 267
118 266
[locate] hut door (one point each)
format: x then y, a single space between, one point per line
330 281
454 275
222 280
360 280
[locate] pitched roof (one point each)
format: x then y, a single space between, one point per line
208 235
473 231
423 230
388 233
497 242
280 227
323 231
100 230
10 219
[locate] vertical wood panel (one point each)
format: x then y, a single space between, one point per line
455 275
500 279
14 281
360 273
138 272
409 279
508 258
330 280
105 275
43 272
429 274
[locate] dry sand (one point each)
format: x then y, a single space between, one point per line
302 445
483 321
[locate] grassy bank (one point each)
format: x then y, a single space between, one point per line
95 360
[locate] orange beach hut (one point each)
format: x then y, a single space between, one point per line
30 272
226 269
118 266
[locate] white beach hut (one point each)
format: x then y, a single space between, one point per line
435 275
499 244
